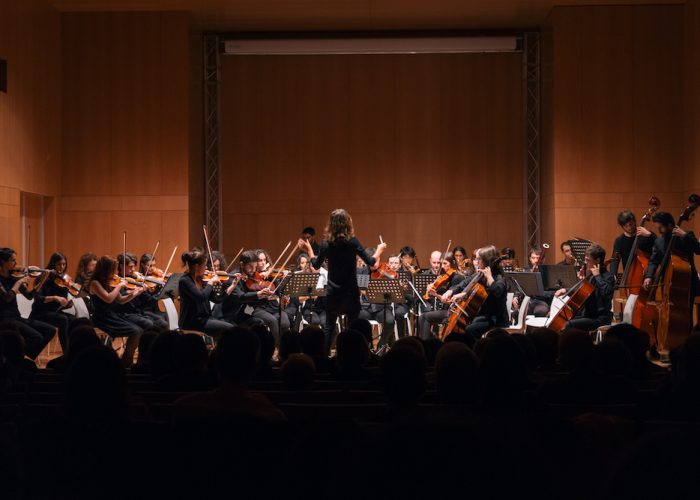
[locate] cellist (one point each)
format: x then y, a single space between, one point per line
493 312
685 245
623 243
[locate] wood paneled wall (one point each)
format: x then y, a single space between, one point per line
419 148
614 115
30 112
126 130
692 93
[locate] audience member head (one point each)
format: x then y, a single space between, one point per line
289 344
190 354
689 359
575 350
237 354
432 346
312 340
528 348
14 348
636 341
456 372
298 371
412 343
546 344
96 387
161 361
403 374
81 338
503 369
352 352
362 326
613 358
146 340
267 342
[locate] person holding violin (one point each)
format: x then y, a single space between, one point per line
106 293
493 312
147 266
143 309
52 298
439 290
196 295
340 247
597 310
400 310
13 281
622 247
254 292
376 312
685 244
86 266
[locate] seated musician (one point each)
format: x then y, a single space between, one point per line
685 245
142 311
538 306
196 296
251 292
623 243
493 312
217 263
464 265
407 257
86 266
568 252
310 309
400 310
36 333
377 312
597 310
440 302
510 263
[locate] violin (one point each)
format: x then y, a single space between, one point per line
256 283
384 272
65 281
439 282
223 276
156 272
31 271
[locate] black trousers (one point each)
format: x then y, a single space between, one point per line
337 304
58 319
272 321
587 324
428 319
387 323
36 334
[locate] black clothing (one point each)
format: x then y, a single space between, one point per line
234 305
195 310
622 247
494 310
597 310
685 247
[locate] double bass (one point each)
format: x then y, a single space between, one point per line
673 284
638 311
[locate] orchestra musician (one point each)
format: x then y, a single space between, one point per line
142 310
107 292
493 312
440 302
378 312
622 247
36 333
196 296
568 252
340 247
464 265
86 266
51 299
400 310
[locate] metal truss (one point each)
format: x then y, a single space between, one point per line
212 190
531 163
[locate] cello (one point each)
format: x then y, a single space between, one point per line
638 311
673 283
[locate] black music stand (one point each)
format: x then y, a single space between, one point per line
555 277
385 292
579 247
171 289
362 281
526 282
421 282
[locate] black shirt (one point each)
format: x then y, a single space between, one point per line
8 300
195 309
494 308
622 247
49 289
599 304
685 247
342 270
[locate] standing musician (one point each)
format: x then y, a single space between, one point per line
622 247
341 248
569 257
86 266
51 299
253 291
143 310
440 302
196 296
493 312
685 245
105 294
36 334
597 310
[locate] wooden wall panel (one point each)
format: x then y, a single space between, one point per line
692 92
126 96
614 111
418 148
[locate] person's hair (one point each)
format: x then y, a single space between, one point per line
575 350
298 371
403 375
546 345
352 352
237 354
595 251
267 340
536 250
55 258
6 254
216 255
407 250
190 354
508 252
192 258
339 226
104 270
488 256
664 218
146 341
450 257
624 217
249 256
85 259
289 344
563 244
130 257
312 340
456 373
302 255
309 230
363 327
412 343
504 370
461 249
160 357
81 339
613 358
144 261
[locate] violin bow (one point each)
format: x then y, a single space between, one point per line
283 265
165 273
234 259
124 258
206 238
283 252
153 256
449 244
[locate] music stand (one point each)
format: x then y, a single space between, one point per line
579 247
171 289
526 282
555 277
362 280
385 292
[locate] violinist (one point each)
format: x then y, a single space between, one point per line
147 266
86 266
51 299
685 245
623 243
253 292
568 252
219 261
379 313
312 310
106 293
341 248
538 306
36 334
597 310
264 262
143 309
400 310
440 304
493 312
196 296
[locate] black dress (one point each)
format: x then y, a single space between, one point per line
50 312
106 318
